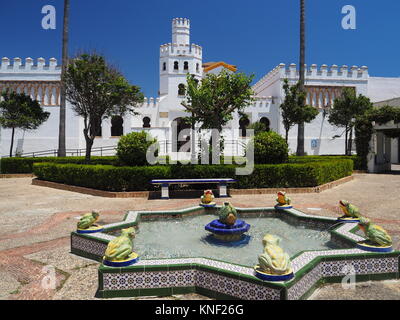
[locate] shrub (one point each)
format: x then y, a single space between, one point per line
357 161
132 148
111 178
24 165
270 148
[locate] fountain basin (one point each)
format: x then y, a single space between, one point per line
227 233
212 274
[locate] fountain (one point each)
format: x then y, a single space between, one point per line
178 256
351 212
283 201
119 252
207 200
87 224
378 240
228 228
274 263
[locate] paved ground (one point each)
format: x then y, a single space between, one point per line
36 223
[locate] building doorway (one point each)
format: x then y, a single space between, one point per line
180 138
117 126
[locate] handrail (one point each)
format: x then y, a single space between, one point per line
166 147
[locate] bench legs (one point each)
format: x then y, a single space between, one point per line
223 190
165 191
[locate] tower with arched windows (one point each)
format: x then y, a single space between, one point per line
179 58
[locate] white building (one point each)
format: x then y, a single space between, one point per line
161 116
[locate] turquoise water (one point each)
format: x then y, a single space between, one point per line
187 237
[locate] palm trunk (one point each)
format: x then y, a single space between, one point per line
300 134
61 133
12 141
193 159
350 142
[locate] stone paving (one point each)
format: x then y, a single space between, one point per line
36 223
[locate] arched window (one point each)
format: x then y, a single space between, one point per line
186 65
266 122
181 89
197 67
146 122
164 66
176 65
243 124
117 126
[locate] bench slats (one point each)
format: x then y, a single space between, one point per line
178 181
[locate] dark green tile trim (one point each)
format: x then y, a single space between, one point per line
156 292
183 290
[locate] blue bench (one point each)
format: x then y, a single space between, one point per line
222 184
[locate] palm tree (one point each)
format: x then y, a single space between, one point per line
61 131
300 133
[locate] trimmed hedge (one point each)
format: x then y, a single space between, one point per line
111 178
356 159
25 165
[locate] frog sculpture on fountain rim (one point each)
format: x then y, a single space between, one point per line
87 224
274 264
119 252
283 201
351 212
378 240
207 199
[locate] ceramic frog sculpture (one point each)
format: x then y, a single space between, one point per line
208 197
283 199
121 247
376 234
88 219
349 210
274 260
228 214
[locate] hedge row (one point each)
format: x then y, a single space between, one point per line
25 165
356 159
112 178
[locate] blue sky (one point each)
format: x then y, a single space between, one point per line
255 35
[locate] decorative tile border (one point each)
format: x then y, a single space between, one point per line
220 279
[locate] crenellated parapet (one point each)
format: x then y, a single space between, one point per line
179 49
38 79
150 102
17 65
324 72
260 102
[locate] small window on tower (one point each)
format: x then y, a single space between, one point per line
186 65
176 65
146 122
164 66
197 67
181 89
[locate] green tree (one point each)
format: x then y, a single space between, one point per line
61 130
258 127
19 111
98 91
213 101
293 109
345 111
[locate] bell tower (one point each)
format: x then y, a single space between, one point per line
179 58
